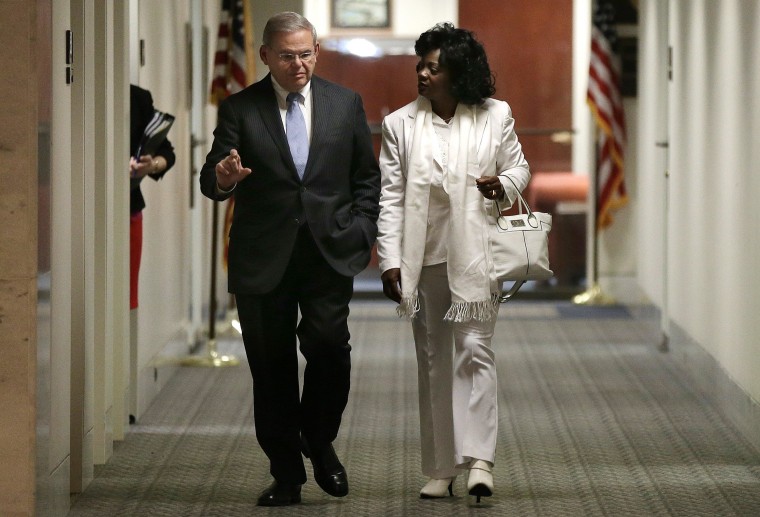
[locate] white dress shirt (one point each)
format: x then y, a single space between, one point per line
436 241
306 105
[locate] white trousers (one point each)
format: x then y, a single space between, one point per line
457 382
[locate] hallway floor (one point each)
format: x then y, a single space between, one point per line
593 421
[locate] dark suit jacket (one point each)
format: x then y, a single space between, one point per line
337 198
140 112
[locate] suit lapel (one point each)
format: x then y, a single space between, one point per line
481 123
409 131
270 115
320 118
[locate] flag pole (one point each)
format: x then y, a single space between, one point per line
212 358
594 295
605 105
231 313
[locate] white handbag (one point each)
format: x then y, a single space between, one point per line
520 246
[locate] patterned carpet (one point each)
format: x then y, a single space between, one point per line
593 421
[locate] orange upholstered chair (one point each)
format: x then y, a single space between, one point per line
546 189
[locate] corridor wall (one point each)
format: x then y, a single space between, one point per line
706 281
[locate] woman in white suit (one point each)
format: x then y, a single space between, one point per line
444 160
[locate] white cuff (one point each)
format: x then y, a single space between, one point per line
219 190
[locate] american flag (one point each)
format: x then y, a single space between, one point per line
233 61
605 100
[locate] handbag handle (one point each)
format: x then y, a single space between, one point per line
532 219
505 297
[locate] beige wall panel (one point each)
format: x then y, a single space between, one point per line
17 415
18 255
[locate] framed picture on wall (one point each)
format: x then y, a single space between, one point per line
361 14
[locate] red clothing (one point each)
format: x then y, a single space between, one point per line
135 251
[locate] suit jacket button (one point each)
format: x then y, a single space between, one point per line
295 221
303 189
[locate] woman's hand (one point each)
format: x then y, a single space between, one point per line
490 187
392 284
147 164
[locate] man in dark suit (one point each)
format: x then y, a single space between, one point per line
303 227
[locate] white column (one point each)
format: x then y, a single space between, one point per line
58 364
103 234
121 133
583 127
197 250
82 244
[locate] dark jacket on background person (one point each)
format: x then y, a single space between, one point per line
140 113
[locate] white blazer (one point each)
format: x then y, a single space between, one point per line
499 153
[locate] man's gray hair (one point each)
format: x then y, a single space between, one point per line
287 22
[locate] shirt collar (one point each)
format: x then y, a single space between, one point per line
282 93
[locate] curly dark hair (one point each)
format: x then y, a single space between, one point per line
465 59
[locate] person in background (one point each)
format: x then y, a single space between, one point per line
155 166
444 161
297 152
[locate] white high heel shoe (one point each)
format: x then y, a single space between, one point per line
480 479
437 488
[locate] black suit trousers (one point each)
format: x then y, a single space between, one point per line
270 327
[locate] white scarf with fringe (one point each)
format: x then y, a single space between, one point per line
474 296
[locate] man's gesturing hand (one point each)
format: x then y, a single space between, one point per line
230 171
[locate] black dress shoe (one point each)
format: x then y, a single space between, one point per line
280 494
329 473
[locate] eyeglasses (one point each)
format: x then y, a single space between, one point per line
290 58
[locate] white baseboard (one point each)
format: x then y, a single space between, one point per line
152 378
704 372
